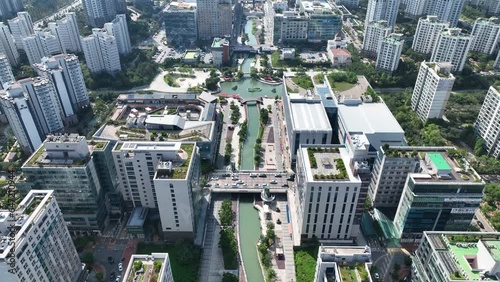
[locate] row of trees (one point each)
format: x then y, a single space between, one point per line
227 241
265 257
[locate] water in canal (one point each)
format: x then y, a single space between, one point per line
249 235
247 150
247 83
248 30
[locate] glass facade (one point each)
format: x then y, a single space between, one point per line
323 27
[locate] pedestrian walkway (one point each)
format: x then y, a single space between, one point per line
287 243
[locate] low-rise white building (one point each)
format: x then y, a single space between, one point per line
332 258
154 265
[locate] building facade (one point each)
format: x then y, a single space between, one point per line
443 196
220 51
20 27
452 46
326 194
488 122
375 32
389 53
99 12
386 10
66 31
427 34
486 34
180 20
7 45
432 90
44 250
101 52
39 45
446 11
8 8
64 164
215 18
6 74
119 30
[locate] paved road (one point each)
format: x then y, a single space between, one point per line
487 227
106 248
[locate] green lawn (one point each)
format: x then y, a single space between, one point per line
184 258
342 86
305 263
303 80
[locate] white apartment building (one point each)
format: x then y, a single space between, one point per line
101 52
415 8
427 33
65 73
66 30
486 33
488 122
215 18
348 3
169 175
307 122
15 106
382 10
452 46
44 250
99 12
43 99
496 65
432 90
332 258
6 74
326 194
389 53
164 274
20 27
39 45
10 7
375 32
445 10
7 45
119 29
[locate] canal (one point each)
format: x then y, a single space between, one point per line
248 30
247 150
249 236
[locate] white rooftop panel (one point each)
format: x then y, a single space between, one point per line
309 117
369 118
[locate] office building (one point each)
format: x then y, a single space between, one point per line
386 10
326 194
307 122
101 52
65 73
180 23
44 250
119 30
21 27
442 196
486 33
40 45
99 12
432 90
169 174
457 256
452 46
331 259
7 45
66 31
375 32
389 53
64 163
6 74
215 18
290 26
427 34
149 267
220 51
488 122
324 22
9 8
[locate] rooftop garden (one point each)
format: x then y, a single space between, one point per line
342 81
98 145
34 158
118 146
303 80
180 172
457 276
339 164
396 153
305 262
32 205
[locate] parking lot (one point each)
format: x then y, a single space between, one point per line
250 180
314 56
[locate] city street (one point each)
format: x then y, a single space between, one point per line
244 180
105 248
486 225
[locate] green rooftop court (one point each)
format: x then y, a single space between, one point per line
461 253
495 251
439 161
190 55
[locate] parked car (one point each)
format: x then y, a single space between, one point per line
480 224
274 182
120 266
111 260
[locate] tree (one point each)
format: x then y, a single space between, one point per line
99 276
264 116
229 277
226 213
479 147
88 258
137 265
157 266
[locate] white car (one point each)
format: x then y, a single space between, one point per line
274 182
240 182
120 267
214 178
118 278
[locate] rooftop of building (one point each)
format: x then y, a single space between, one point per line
491 20
308 114
379 24
219 42
442 69
344 250
138 217
464 254
148 268
180 6
455 32
369 118
318 7
444 166
340 52
26 212
327 163
394 38
191 55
